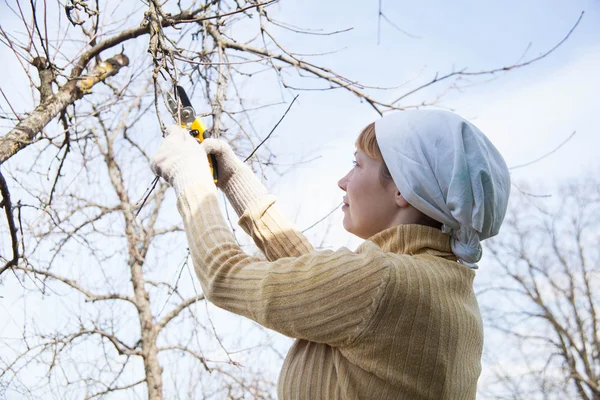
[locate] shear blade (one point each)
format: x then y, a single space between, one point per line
172 105
182 95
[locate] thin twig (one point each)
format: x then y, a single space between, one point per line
10 105
67 145
325 217
149 191
304 31
545 155
209 319
410 35
529 193
379 23
272 130
37 28
185 260
238 11
493 71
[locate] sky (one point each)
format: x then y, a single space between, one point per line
526 113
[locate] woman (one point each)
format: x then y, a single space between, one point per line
395 319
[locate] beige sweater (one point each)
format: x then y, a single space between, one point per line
395 319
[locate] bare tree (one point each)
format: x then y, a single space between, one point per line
546 297
107 305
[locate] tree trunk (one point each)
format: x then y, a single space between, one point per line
148 334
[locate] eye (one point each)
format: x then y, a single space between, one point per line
354 163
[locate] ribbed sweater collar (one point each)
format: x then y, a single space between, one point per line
414 239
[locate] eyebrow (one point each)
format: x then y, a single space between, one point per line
355 153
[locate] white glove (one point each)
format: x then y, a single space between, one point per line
235 178
181 161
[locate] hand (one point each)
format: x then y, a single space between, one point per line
235 178
228 163
181 161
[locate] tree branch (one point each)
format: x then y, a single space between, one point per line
320 72
91 297
272 130
115 389
493 71
8 209
176 311
190 352
121 347
24 133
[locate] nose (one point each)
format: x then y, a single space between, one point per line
343 183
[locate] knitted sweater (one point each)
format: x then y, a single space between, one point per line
395 319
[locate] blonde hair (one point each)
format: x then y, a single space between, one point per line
367 143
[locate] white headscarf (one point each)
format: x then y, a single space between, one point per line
446 168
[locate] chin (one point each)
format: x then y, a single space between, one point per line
347 226
349 229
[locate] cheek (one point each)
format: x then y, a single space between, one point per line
365 179
372 197
355 185
364 188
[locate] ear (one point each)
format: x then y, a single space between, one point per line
400 200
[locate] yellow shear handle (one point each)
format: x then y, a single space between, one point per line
199 127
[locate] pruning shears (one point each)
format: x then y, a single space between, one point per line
181 109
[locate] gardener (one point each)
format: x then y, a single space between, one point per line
395 319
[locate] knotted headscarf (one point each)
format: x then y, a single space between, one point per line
448 169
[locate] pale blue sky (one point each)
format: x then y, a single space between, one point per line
526 112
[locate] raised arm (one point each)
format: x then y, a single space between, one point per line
260 216
329 297
323 296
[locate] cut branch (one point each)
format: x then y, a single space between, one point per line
24 133
46 74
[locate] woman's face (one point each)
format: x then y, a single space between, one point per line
369 206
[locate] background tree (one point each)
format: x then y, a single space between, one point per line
103 317
544 300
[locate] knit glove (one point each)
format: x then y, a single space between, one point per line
182 162
235 178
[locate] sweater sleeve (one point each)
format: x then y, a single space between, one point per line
325 296
272 233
